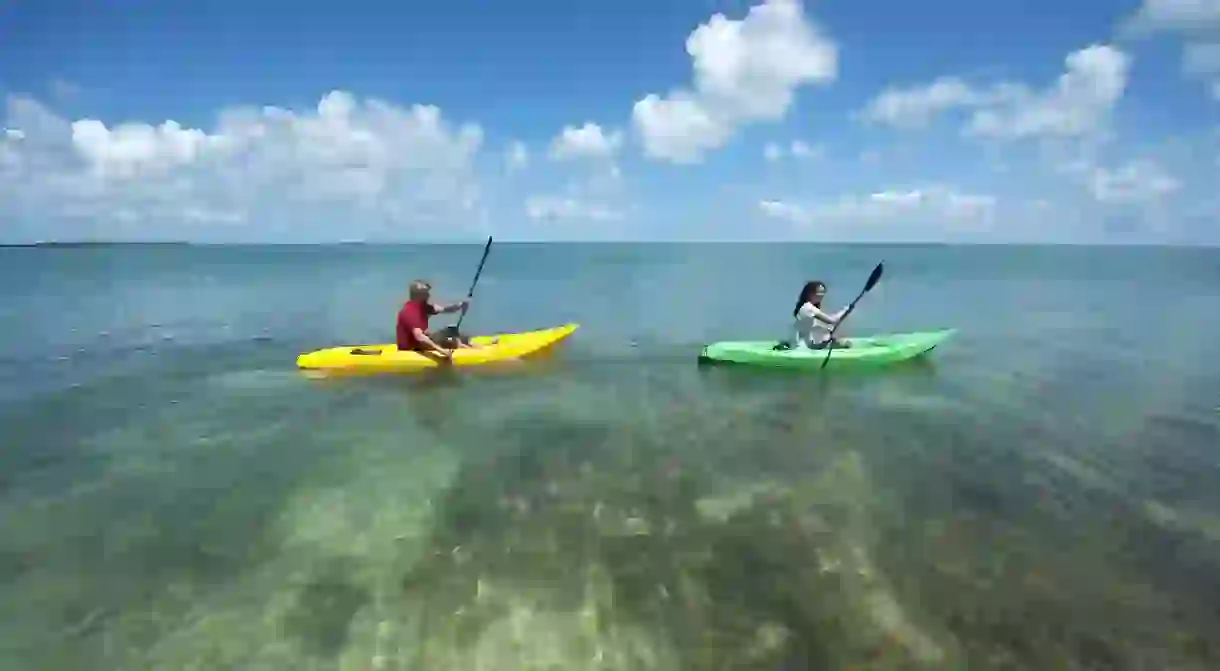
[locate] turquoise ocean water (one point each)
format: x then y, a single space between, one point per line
1043 492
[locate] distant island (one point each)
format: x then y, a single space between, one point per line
79 244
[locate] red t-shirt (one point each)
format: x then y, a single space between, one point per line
413 315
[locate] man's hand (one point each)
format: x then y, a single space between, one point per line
424 338
442 352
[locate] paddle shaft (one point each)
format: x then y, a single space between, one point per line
470 293
868 286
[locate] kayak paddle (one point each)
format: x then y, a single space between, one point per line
868 286
470 294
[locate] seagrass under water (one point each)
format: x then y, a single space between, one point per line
176 496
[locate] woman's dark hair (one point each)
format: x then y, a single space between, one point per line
807 295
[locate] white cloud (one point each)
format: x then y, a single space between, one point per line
1135 182
1202 60
1186 16
404 168
773 152
134 149
568 208
797 149
679 129
593 192
745 71
915 107
587 141
801 150
605 180
1078 103
939 203
1132 182
779 209
517 157
1197 22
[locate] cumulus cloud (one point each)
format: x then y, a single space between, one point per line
1078 103
941 203
1201 60
1195 21
916 107
586 142
1186 16
745 71
1125 182
1133 182
566 208
404 169
591 193
1141 198
134 149
779 209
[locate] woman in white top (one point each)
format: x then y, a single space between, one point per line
813 325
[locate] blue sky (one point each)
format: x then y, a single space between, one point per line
946 121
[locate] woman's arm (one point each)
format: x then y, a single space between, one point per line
826 317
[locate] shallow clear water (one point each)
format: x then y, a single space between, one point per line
1042 492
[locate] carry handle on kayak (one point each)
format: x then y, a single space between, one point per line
868 286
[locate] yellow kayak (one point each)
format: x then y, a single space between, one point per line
388 359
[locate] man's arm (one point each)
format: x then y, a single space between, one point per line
440 308
421 336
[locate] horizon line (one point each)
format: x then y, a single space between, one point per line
67 244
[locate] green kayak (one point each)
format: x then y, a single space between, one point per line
873 350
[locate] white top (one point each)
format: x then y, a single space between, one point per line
813 325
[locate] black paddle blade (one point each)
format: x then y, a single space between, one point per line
868 286
477 273
874 278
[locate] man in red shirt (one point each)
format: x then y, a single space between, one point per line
412 327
